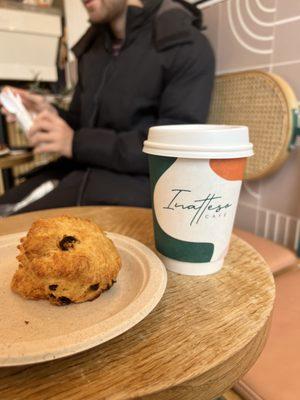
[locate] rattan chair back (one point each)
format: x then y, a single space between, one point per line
265 103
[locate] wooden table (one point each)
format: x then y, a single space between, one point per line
202 337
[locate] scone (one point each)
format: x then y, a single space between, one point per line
65 260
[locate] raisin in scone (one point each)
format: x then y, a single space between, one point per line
65 260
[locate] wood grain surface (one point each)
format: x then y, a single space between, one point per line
11 161
202 337
231 395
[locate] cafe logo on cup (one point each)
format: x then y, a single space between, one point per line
195 200
209 206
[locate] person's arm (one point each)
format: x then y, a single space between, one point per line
72 115
185 100
186 97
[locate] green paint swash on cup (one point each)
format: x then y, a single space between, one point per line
196 173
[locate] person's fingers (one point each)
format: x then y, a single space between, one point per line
47 115
4 111
38 126
30 100
5 88
40 138
8 116
46 148
15 91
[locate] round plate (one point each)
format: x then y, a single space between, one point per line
36 331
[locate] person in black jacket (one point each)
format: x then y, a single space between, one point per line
141 63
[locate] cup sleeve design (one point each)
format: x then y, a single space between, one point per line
169 246
230 169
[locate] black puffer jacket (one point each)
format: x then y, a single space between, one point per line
163 75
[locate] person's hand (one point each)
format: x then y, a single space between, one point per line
51 134
34 103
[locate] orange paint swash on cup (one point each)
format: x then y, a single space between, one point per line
231 169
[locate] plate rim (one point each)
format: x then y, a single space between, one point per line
123 326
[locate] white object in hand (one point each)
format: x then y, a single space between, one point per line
13 104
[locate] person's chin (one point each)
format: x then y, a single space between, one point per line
94 18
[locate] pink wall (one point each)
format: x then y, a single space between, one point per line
263 34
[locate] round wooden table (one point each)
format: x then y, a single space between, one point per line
202 337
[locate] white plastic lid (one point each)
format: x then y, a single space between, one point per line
199 141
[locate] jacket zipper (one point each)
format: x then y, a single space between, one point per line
91 124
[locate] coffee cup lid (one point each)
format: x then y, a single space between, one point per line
199 141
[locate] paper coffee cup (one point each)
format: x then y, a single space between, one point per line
196 173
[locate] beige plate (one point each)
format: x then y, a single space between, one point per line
52 332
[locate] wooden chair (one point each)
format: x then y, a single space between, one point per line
22 163
266 104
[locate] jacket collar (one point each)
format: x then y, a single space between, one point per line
171 19
173 23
